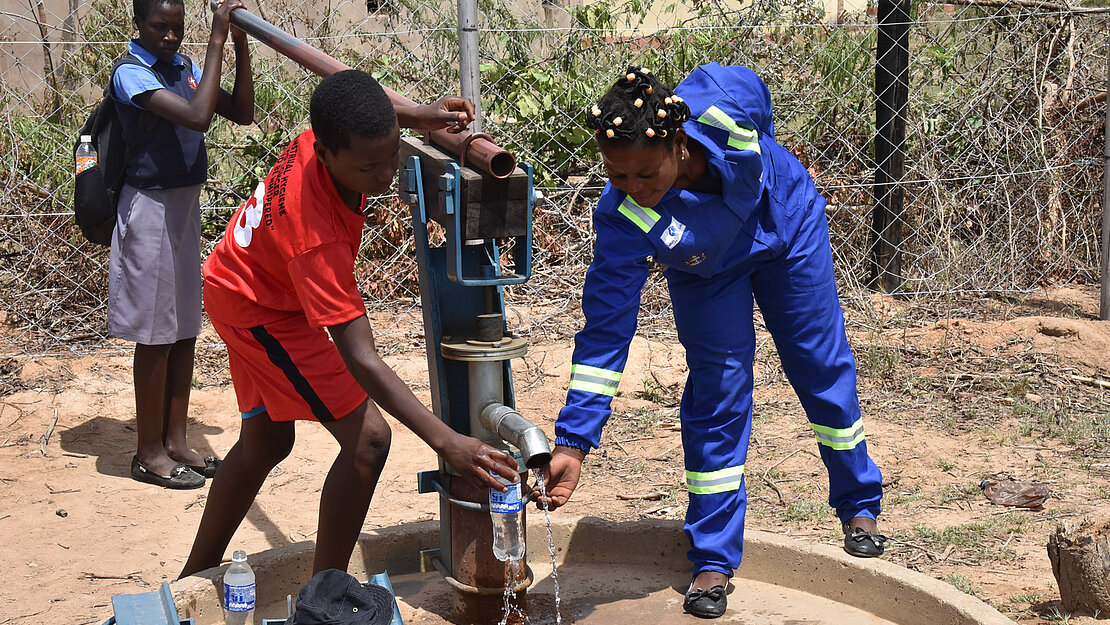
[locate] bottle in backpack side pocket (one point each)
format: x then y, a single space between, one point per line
86 154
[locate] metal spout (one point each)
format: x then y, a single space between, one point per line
521 433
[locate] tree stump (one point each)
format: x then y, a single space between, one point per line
1080 556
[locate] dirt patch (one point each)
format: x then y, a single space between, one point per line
1010 388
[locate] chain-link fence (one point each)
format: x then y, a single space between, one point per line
1004 133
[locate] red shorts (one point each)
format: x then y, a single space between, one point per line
290 370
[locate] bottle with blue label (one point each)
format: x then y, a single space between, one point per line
504 511
239 591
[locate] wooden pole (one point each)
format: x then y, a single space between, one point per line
892 58
1104 280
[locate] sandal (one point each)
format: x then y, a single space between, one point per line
862 543
181 477
211 463
705 603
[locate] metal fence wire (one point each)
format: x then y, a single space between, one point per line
1004 133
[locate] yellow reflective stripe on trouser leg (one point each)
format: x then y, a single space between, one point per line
709 482
594 380
840 438
644 218
738 137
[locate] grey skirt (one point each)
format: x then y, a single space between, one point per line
154 281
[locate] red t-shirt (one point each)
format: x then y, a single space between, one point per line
290 248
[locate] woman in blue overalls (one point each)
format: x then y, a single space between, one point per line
698 183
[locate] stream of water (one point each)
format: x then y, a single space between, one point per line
517 570
550 543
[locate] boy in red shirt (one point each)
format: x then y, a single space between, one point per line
281 275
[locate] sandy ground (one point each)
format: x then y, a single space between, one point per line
1011 389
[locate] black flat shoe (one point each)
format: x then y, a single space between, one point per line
211 463
863 544
706 603
181 477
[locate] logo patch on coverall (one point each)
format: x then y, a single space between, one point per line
673 234
695 259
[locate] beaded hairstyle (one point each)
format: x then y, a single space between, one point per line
637 109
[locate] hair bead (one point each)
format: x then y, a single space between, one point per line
609 133
661 114
645 70
650 132
648 90
630 76
638 103
596 111
667 100
617 121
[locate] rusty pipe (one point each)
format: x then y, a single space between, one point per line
474 149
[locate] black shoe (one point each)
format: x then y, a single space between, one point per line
706 603
181 477
862 543
211 464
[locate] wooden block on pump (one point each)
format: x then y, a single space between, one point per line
491 207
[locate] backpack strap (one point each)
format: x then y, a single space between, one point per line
127 59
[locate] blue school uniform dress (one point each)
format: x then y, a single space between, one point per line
154 285
764 239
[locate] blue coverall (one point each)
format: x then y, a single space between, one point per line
763 238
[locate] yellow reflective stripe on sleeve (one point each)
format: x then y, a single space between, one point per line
594 380
644 218
709 482
839 438
739 138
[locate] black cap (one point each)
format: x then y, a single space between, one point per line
332 597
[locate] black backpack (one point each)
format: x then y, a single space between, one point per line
96 189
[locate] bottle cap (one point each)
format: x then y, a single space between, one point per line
239 556
86 138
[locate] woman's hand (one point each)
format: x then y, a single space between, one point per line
560 477
452 112
474 460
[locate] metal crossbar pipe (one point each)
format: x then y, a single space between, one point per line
470 147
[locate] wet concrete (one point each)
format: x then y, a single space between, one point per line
623 573
593 595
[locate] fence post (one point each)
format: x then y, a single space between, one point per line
1104 279
892 58
469 78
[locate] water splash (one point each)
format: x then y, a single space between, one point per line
550 543
509 609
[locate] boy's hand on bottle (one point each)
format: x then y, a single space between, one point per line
475 460
453 113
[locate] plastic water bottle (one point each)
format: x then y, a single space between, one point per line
504 511
239 591
86 154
